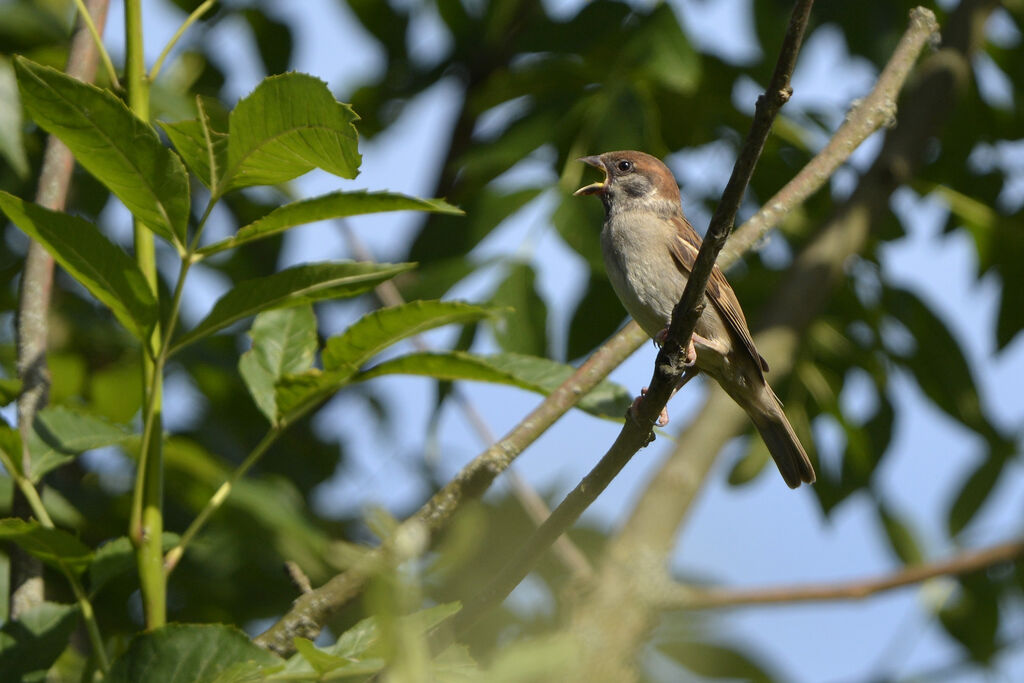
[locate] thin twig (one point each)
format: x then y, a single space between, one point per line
679 596
311 611
669 366
191 19
868 115
307 614
534 506
95 28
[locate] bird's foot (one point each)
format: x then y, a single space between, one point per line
689 353
662 418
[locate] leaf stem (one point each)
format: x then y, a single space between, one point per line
43 516
191 19
104 55
219 496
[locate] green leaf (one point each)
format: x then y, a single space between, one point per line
288 126
55 547
938 363
541 375
12 146
202 142
291 287
10 446
123 152
61 433
187 653
334 205
973 616
714 661
376 331
525 329
9 390
283 342
901 537
100 266
116 558
31 644
974 493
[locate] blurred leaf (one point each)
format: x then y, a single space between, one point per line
61 433
9 390
55 547
334 205
186 653
123 152
283 342
116 558
12 146
597 316
901 537
291 287
288 126
524 329
938 363
973 618
323 662
100 266
273 38
111 391
974 493
541 375
31 644
579 223
376 331
751 464
714 661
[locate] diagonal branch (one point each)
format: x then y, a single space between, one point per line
310 611
669 366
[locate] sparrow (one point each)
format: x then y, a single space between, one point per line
649 249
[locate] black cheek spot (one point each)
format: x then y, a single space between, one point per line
635 189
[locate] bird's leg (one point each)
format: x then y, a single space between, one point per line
690 352
687 375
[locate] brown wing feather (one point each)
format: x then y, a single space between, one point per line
684 252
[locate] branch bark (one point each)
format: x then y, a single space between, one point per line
637 433
614 621
34 308
679 596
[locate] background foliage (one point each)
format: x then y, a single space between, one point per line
532 86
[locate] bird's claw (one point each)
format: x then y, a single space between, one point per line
662 418
689 353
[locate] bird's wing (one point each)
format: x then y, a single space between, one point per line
684 250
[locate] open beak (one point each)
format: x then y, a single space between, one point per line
593 188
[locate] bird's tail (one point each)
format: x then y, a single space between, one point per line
781 440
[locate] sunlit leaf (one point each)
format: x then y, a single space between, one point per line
12 146
334 205
378 330
123 152
289 125
283 342
541 375
100 266
291 287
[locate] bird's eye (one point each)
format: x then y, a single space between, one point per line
624 166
